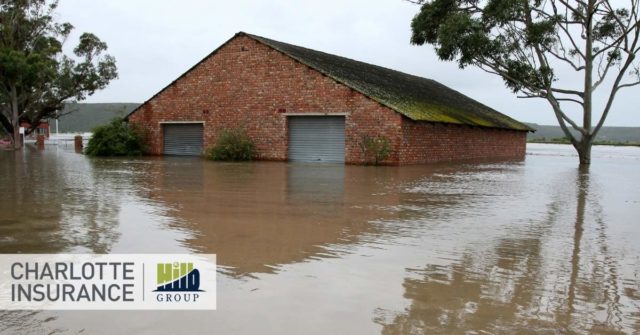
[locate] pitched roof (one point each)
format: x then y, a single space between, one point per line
417 98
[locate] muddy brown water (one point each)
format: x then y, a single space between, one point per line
489 247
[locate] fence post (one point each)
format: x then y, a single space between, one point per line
40 141
77 140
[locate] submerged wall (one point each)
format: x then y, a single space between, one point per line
434 142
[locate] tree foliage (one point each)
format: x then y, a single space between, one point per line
36 78
116 139
528 42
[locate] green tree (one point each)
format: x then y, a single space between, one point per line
116 139
36 78
529 42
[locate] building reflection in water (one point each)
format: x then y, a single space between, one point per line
468 248
259 216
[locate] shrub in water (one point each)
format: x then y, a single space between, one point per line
375 148
232 145
116 139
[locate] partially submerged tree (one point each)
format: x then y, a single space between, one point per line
528 42
36 78
116 139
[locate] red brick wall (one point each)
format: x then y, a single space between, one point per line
247 84
44 125
433 142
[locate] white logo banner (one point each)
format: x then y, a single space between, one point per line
108 282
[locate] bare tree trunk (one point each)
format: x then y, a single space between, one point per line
584 146
584 150
17 141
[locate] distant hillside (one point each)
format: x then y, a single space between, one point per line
84 117
613 134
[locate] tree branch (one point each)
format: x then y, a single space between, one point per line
567 60
603 75
616 86
628 85
561 121
563 91
573 10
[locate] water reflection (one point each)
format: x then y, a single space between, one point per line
308 183
528 283
53 205
258 216
502 247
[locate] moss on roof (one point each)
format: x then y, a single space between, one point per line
415 97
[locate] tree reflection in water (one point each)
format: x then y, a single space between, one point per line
529 282
60 202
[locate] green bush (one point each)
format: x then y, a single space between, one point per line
232 145
116 139
375 148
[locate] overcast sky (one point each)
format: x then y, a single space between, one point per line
156 41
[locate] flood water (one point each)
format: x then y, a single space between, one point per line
479 248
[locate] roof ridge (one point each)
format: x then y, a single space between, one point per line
338 56
417 98
496 120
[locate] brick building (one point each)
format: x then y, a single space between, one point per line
304 105
41 129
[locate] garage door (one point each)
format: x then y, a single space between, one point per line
316 139
183 139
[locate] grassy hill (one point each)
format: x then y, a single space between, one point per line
606 134
83 117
